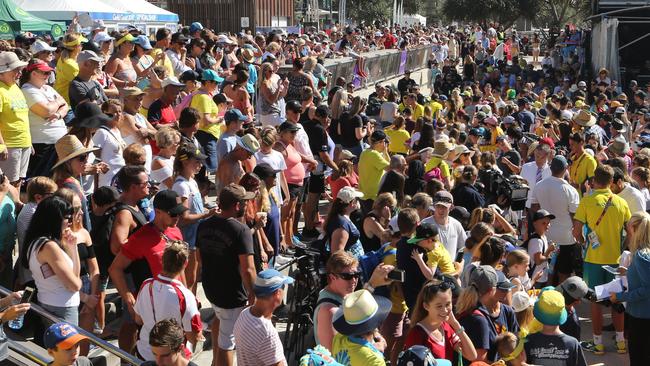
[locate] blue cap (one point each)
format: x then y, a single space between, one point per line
211 75
443 98
269 281
62 335
196 26
234 115
143 42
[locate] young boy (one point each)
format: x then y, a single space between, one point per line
573 289
539 249
551 346
167 342
62 343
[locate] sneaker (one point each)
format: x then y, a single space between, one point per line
621 347
597 349
296 240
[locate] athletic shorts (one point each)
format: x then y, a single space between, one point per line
227 318
569 259
594 274
317 184
295 191
15 167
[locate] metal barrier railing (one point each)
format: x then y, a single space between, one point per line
122 355
27 353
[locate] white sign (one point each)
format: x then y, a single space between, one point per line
245 22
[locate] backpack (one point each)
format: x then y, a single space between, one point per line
185 102
369 261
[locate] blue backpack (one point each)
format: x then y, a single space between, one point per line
369 261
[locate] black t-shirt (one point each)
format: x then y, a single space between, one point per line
413 277
221 241
554 350
514 158
483 329
80 90
317 137
348 125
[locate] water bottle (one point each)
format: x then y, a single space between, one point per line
17 323
553 261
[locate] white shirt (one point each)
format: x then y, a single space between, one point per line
177 63
558 197
301 143
258 342
275 161
172 301
112 147
452 235
43 131
634 198
529 173
538 245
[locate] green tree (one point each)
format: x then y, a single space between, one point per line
369 11
506 12
557 13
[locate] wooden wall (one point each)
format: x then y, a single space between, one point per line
225 15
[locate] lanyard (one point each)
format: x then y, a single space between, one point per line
602 214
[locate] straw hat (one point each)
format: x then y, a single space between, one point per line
584 118
360 313
441 148
619 146
69 147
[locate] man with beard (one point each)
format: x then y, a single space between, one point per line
226 247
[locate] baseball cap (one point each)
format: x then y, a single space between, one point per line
189 75
234 192
195 27
264 171
549 308
507 120
288 126
521 301
348 194
88 55
294 106
131 91
619 110
480 116
211 75
581 84
547 141
423 232
38 65
475 132
270 280
483 278
503 283
541 214
574 286
234 115
179 38
491 121
222 38
102 37
189 151
501 138
98 24
143 42
40 46
171 80
249 143
443 198
170 202
559 163
62 335
378 136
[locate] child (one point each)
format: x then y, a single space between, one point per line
398 136
551 346
510 349
538 246
517 264
573 289
437 257
62 343
345 177
522 304
433 324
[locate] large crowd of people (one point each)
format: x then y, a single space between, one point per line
465 218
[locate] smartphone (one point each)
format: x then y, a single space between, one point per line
396 275
27 295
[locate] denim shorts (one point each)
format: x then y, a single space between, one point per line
68 314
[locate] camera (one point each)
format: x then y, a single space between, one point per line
591 296
513 188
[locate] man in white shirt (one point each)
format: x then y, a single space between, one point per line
177 52
558 197
631 195
538 169
450 231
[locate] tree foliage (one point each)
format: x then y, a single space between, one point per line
557 13
505 12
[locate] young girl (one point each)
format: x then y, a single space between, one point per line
511 349
433 324
517 263
187 163
522 304
398 136
346 177
539 247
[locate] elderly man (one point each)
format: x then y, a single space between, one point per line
534 171
451 232
84 88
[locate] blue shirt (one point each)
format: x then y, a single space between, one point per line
483 329
252 79
638 281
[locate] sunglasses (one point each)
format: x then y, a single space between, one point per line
83 157
348 276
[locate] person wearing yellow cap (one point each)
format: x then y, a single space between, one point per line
67 67
119 66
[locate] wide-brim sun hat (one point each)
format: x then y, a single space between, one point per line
619 146
69 147
361 313
9 61
442 148
550 309
584 118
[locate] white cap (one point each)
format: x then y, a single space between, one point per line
348 194
581 84
521 301
222 38
102 37
40 46
98 24
171 80
620 110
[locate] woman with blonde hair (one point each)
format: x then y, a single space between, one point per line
271 92
67 67
266 154
637 296
162 165
119 66
338 106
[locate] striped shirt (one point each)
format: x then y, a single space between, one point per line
258 342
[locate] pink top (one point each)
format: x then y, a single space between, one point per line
295 172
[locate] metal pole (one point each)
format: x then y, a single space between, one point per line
634 41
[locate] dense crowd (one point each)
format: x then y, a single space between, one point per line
466 217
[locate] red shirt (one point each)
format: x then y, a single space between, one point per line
420 336
148 243
390 41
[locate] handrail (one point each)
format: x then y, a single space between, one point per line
27 353
124 356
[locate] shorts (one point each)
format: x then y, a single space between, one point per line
295 192
569 259
227 318
395 325
317 184
594 274
15 167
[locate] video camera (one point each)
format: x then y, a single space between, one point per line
513 188
591 296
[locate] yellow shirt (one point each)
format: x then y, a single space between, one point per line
66 71
354 351
609 230
397 140
204 104
435 108
166 62
581 169
371 168
396 296
445 171
438 257
14 117
418 111
493 140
